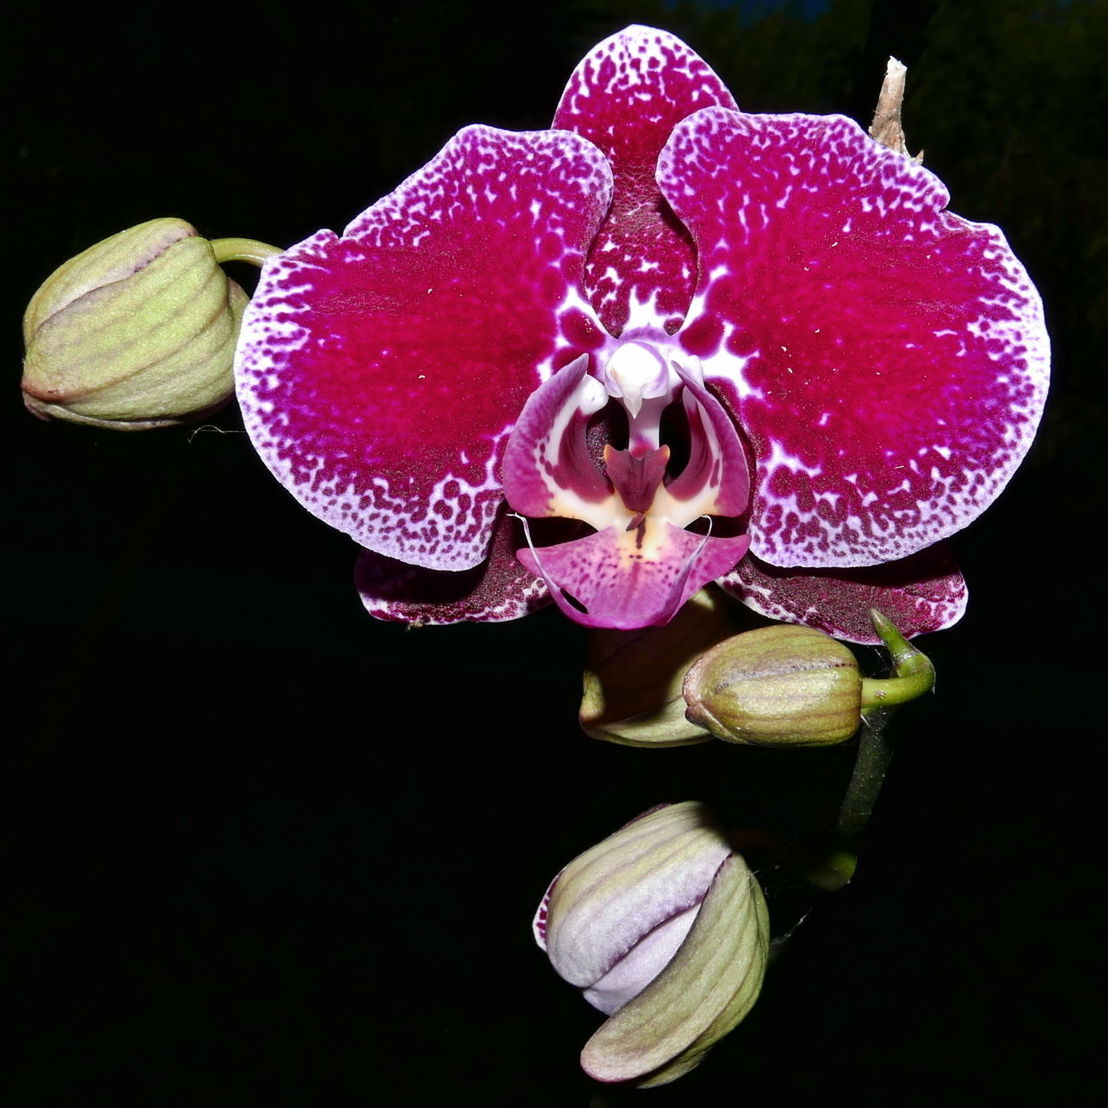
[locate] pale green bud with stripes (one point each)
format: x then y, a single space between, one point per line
664 929
777 686
138 331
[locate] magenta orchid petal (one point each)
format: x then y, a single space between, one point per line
497 590
380 373
626 96
629 578
924 592
886 359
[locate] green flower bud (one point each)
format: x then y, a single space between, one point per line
665 930
777 686
632 686
138 331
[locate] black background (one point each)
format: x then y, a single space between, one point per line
267 851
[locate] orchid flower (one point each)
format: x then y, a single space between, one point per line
661 344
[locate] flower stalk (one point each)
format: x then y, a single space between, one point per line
913 675
243 250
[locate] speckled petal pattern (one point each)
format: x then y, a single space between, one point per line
887 360
922 593
380 373
626 96
662 313
499 589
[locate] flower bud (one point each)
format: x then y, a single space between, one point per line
632 685
666 931
138 331
777 686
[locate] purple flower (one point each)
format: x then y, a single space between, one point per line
661 344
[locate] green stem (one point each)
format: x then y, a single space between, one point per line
835 868
243 250
870 768
913 675
884 692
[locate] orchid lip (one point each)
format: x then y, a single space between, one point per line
641 565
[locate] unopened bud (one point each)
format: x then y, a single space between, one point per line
138 331
777 686
665 929
632 687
